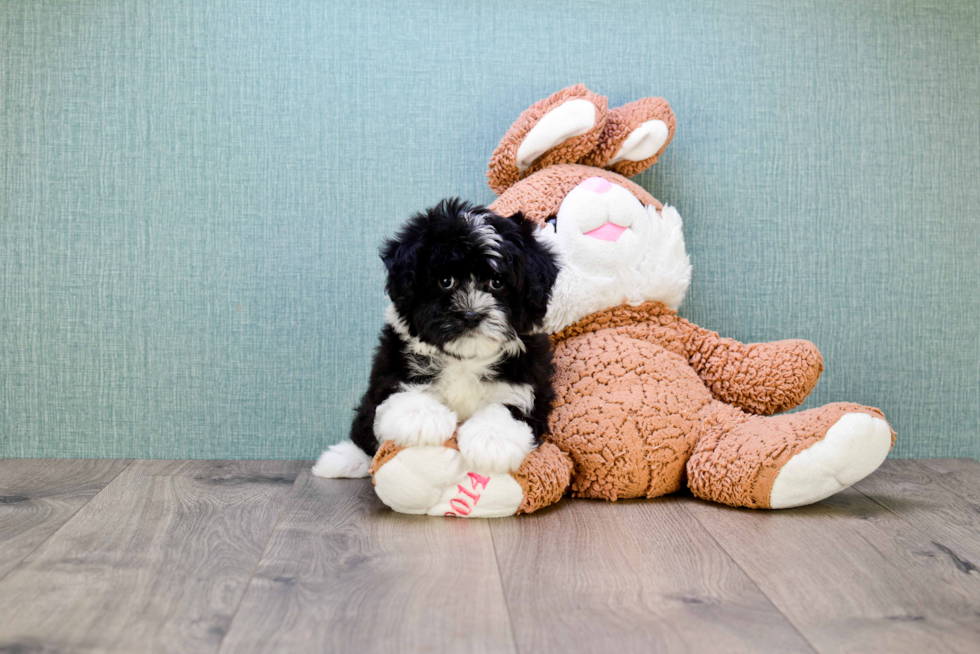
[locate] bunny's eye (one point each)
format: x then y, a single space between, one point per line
446 283
496 284
553 221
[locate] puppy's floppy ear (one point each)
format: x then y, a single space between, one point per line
562 128
635 136
400 256
540 271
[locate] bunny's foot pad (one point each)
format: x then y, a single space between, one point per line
436 480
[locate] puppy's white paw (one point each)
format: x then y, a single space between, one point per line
342 460
412 418
492 440
853 448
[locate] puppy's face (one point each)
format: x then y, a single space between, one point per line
467 281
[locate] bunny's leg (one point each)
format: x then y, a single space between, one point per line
788 460
437 480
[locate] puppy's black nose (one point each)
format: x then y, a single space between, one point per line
472 318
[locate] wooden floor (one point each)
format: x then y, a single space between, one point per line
259 556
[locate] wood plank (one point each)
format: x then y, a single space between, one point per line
630 576
158 561
962 476
969 466
852 576
926 500
37 496
343 573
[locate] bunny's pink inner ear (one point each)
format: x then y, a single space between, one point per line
636 135
562 128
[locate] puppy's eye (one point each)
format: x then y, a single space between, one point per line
553 221
496 284
446 283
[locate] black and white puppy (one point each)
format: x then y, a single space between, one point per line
469 290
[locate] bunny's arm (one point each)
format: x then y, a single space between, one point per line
761 378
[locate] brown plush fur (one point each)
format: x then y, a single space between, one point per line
386 452
539 196
544 476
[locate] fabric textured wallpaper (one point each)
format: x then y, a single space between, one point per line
192 194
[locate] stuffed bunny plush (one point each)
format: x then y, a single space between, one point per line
647 402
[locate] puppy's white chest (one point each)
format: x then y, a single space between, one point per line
464 387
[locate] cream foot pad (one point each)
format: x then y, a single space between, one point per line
434 480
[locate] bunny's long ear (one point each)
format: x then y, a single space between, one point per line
562 128
635 136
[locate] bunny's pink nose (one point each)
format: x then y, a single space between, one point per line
596 184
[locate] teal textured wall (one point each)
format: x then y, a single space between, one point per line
192 193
